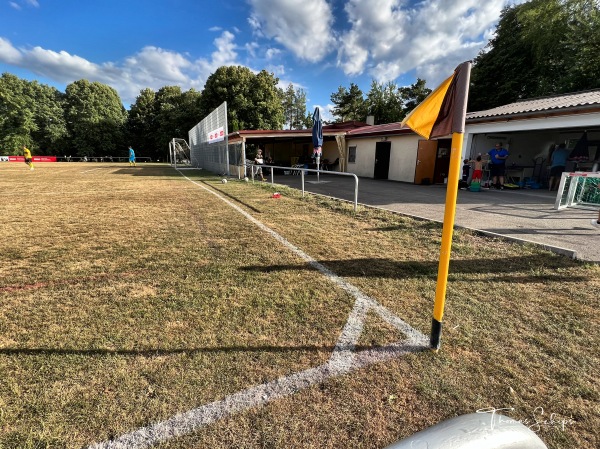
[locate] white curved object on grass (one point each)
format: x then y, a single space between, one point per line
474 431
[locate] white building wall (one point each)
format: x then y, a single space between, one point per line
364 165
403 156
525 139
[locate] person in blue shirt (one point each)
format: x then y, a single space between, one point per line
131 157
558 162
498 157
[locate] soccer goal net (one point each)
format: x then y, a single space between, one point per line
179 153
579 189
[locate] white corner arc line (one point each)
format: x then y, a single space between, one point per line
342 361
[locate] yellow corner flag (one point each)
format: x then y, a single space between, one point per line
442 113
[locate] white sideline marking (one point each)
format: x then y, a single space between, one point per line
343 360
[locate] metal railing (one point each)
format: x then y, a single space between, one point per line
303 171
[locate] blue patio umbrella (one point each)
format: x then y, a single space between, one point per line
317 138
317 129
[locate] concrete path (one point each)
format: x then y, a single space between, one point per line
526 215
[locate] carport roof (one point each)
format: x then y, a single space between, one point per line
331 130
377 130
564 103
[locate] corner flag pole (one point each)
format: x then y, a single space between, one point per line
447 231
442 113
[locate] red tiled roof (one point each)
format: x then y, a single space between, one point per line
328 130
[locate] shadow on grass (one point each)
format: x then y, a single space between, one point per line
191 351
231 197
515 269
158 171
167 171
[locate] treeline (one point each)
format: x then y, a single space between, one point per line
89 119
541 47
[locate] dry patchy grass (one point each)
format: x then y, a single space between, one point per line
129 295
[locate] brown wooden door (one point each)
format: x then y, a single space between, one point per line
426 155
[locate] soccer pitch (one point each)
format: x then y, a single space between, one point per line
144 307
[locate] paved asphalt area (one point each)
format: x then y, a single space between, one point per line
524 215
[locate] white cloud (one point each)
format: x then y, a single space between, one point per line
272 53
388 38
254 23
304 28
155 64
33 3
151 67
8 53
381 38
277 70
326 112
60 66
224 55
251 48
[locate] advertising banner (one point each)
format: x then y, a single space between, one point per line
35 158
217 135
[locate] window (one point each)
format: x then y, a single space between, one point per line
352 155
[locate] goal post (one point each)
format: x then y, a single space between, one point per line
578 189
179 153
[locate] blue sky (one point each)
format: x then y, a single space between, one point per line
317 45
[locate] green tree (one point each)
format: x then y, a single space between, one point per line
30 114
288 100
51 134
542 47
301 112
412 96
95 118
349 104
253 101
142 123
585 37
294 108
16 115
384 102
265 107
188 113
157 117
504 71
167 110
